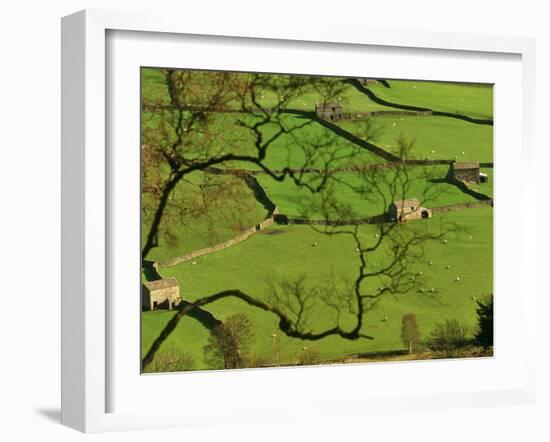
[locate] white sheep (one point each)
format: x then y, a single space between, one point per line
432 290
313 244
457 278
445 241
431 263
194 262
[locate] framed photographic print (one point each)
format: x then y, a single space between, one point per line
275 223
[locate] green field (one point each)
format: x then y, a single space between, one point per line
436 138
265 257
427 184
461 98
205 227
205 209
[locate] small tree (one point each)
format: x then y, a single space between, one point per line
410 335
484 334
449 338
229 343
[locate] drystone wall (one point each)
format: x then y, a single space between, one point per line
286 219
260 194
460 206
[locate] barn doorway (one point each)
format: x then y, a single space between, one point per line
155 305
425 214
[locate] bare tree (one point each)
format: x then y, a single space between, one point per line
331 89
183 136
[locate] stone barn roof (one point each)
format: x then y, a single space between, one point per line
464 166
161 284
411 202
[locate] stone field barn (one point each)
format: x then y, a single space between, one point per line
161 294
407 210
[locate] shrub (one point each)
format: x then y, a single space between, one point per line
449 338
309 356
171 359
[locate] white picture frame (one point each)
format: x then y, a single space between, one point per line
86 315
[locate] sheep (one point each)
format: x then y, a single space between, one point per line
194 262
457 278
313 244
376 236
431 263
448 267
445 241
420 273
432 290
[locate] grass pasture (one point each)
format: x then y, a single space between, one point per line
429 181
265 257
472 100
206 208
436 138
205 227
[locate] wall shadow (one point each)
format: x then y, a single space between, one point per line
207 319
